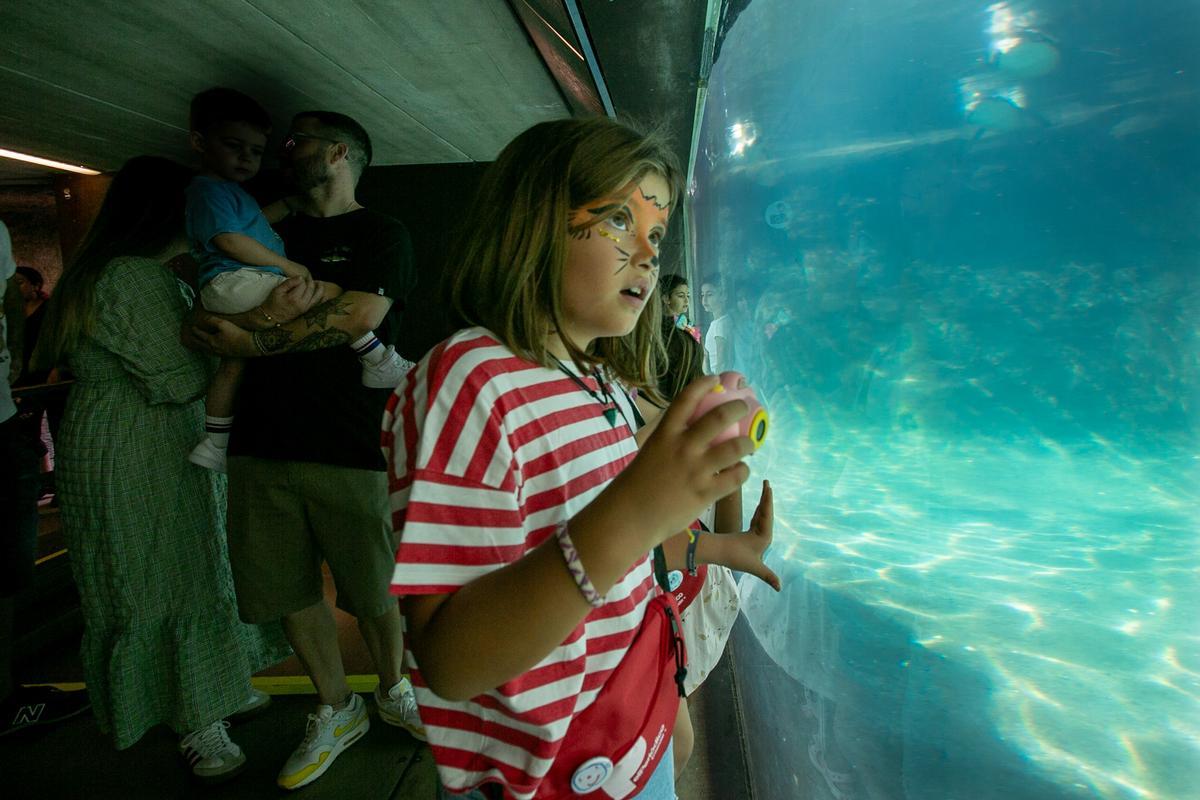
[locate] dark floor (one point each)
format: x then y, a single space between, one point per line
74 759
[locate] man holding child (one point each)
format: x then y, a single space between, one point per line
307 480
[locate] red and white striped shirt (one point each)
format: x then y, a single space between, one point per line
487 453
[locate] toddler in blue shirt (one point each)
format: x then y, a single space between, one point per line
241 258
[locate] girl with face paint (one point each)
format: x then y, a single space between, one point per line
544 651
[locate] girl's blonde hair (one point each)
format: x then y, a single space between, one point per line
507 274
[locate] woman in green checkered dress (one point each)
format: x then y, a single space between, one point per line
144 528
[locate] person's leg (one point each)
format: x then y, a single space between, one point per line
20 706
312 632
351 521
341 718
683 738
210 452
277 573
385 642
277 569
19 487
223 390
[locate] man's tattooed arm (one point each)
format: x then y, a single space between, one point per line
328 324
272 340
280 340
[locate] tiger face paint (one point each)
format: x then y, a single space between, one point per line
609 276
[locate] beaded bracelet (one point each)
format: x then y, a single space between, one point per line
571 556
693 540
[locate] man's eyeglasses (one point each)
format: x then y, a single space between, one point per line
295 137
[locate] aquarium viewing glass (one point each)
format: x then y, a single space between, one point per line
956 247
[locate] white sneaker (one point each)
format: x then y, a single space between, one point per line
255 704
208 455
399 707
210 754
388 372
328 733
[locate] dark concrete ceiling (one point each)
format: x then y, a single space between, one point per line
433 81
94 83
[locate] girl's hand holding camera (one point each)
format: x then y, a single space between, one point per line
704 442
680 471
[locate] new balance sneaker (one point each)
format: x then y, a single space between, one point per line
210 754
386 373
208 455
30 706
328 733
399 707
255 704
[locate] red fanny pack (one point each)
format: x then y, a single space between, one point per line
614 746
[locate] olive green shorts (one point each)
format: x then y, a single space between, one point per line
286 517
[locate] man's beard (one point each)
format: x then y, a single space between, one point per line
309 174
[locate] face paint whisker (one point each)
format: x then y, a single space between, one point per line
624 260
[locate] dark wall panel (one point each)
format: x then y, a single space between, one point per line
430 200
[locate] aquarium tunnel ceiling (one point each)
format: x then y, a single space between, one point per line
434 82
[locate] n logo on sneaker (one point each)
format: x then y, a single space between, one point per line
339 732
28 715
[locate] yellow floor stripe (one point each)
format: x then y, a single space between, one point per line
300 684
44 559
272 684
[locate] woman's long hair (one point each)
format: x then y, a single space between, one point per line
507 273
141 215
684 362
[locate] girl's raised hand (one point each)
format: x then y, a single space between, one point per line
680 471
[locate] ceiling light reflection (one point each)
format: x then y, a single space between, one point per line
46 162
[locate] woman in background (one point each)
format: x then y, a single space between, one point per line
675 299
718 341
674 290
162 640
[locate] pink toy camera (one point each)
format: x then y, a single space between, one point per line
733 386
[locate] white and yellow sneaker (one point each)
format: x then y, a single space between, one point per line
328 733
398 706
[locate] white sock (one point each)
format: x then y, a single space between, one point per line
218 429
369 349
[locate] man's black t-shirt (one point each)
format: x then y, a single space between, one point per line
312 406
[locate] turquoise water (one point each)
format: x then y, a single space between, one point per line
960 246
1077 606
